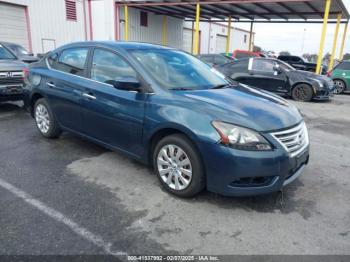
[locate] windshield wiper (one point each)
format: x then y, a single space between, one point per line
220 86
180 89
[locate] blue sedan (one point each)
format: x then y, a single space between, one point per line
168 109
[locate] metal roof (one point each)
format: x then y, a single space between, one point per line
245 10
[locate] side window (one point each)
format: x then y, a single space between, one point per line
344 66
108 67
263 65
71 61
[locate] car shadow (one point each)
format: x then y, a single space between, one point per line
10 107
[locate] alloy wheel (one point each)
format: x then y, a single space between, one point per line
339 86
42 118
174 167
301 92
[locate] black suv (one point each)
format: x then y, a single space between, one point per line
11 76
300 64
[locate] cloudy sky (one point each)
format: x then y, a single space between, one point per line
297 38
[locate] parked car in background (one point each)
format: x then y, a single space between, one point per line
278 77
169 109
20 52
299 63
238 54
11 76
341 76
215 59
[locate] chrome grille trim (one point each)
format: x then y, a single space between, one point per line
293 140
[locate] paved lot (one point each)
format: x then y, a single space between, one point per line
119 202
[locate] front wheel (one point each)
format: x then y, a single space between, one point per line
178 166
302 92
45 120
339 86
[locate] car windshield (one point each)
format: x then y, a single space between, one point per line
5 54
177 70
18 50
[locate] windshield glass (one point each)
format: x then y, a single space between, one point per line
5 54
174 69
18 50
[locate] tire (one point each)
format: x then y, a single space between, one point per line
45 120
302 92
168 155
339 86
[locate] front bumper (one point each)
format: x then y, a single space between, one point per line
234 172
11 92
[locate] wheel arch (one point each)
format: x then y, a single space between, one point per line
167 130
35 97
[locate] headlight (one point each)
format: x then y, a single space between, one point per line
240 137
319 82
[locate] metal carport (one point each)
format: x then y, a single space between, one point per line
249 11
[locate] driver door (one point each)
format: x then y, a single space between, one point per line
110 115
266 74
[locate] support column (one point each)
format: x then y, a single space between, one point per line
323 36
117 22
126 17
343 41
335 39
164 31
196 36
228 36
251 37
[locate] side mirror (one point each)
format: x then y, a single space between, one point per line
30 54
276 70
128 83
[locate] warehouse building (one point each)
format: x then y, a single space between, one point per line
42 25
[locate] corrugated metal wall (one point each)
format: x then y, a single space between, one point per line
211 31
153 32
48 21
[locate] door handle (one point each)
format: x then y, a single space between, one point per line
50 84
88 96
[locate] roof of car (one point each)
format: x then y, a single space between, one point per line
118 44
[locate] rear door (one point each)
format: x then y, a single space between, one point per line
111 115
64 83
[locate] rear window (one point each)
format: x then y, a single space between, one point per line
343 66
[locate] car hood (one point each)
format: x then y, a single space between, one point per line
245 106
11 65
310 75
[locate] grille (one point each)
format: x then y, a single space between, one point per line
16 77
4 81
294 140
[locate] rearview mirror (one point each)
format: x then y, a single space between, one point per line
128 83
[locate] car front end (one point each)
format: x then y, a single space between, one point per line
239 172
11 76
11 83
323 88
